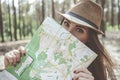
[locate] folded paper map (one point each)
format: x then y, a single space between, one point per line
52 54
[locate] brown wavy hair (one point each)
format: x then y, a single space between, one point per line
102 67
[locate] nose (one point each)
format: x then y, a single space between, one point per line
71 28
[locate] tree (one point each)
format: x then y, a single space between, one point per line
103 22
38 13
53 9
24 9
1 23
118 14
107 13
14 21
27 8
9 21
112 13
43 13
19 23
23 28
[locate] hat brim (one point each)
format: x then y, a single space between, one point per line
80 22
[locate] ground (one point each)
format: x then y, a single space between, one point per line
111 43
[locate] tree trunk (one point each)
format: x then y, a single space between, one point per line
103 21
9 21
97 1
1 23
23 29
107 17
38 13
27 21
63 7
53 9
30 26
14 21
112 13
19 23
118 14
43 11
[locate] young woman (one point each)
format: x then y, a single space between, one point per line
83 21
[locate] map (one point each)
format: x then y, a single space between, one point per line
52 54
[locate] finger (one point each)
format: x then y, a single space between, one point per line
9 57
84 75
82 70
17 55
14 58
22 50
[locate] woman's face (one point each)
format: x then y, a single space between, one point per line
80 32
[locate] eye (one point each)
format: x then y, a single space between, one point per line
80 30
66 23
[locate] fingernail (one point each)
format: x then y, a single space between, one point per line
74 71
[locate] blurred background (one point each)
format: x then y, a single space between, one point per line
20 18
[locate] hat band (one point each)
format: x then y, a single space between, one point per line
83 19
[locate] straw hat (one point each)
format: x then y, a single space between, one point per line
86 13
